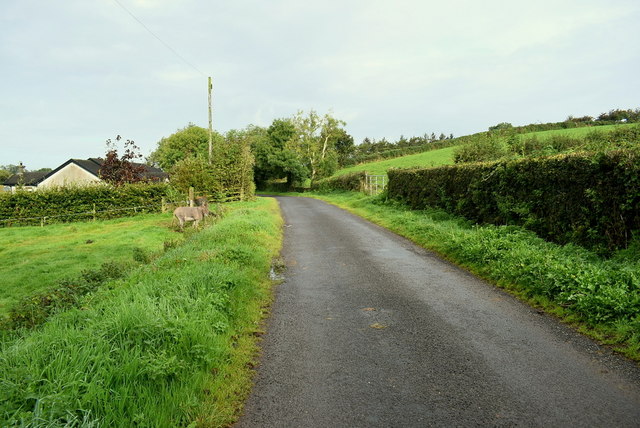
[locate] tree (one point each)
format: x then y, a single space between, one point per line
274 158
193 172
501 126
230 172
190 141
315 141
12 169
344 147
119 170
233 162
4 175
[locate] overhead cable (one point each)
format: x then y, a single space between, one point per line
159 39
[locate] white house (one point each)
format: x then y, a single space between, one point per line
74 172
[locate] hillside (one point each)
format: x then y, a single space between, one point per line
428 159
446 155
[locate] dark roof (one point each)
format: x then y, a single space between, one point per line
28 179
91 165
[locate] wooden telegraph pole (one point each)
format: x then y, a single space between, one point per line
210 87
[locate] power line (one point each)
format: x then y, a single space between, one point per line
159 39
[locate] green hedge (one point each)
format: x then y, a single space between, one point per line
78 203
590 200
353 181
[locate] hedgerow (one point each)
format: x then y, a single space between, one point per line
590 200
74 203
353 181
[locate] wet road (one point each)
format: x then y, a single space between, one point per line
369 330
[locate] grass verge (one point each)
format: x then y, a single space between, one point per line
172 344
600 297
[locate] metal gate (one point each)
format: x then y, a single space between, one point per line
375 184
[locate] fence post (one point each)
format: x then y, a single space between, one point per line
94 212
163 205
191 197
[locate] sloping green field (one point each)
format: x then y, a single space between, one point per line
424 159
572 132
445 156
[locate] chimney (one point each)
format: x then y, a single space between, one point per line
21 174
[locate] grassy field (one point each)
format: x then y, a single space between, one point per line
172 344
425 159
601 297
33 259
445 156
572 132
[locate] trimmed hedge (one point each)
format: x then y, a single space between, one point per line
67 204
586 199
353 181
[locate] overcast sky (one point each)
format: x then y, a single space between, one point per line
74 73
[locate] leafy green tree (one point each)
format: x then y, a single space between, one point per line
315 141
190 141
4 175
274 156
229 173
12 169
501 126
344 146
233 162
193 172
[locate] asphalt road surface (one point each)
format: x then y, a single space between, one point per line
369 330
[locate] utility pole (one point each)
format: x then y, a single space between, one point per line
210 87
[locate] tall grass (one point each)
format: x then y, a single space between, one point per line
34 259
600 296
169 345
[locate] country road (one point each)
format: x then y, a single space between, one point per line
369 330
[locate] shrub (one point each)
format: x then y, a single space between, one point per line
352 182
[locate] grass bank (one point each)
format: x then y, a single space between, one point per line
580 132
601 297
34 259
172 344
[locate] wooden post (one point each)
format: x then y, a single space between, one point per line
210 88
94 212
163 205
191 197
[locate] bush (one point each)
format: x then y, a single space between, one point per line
589 200
484 147
351 182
